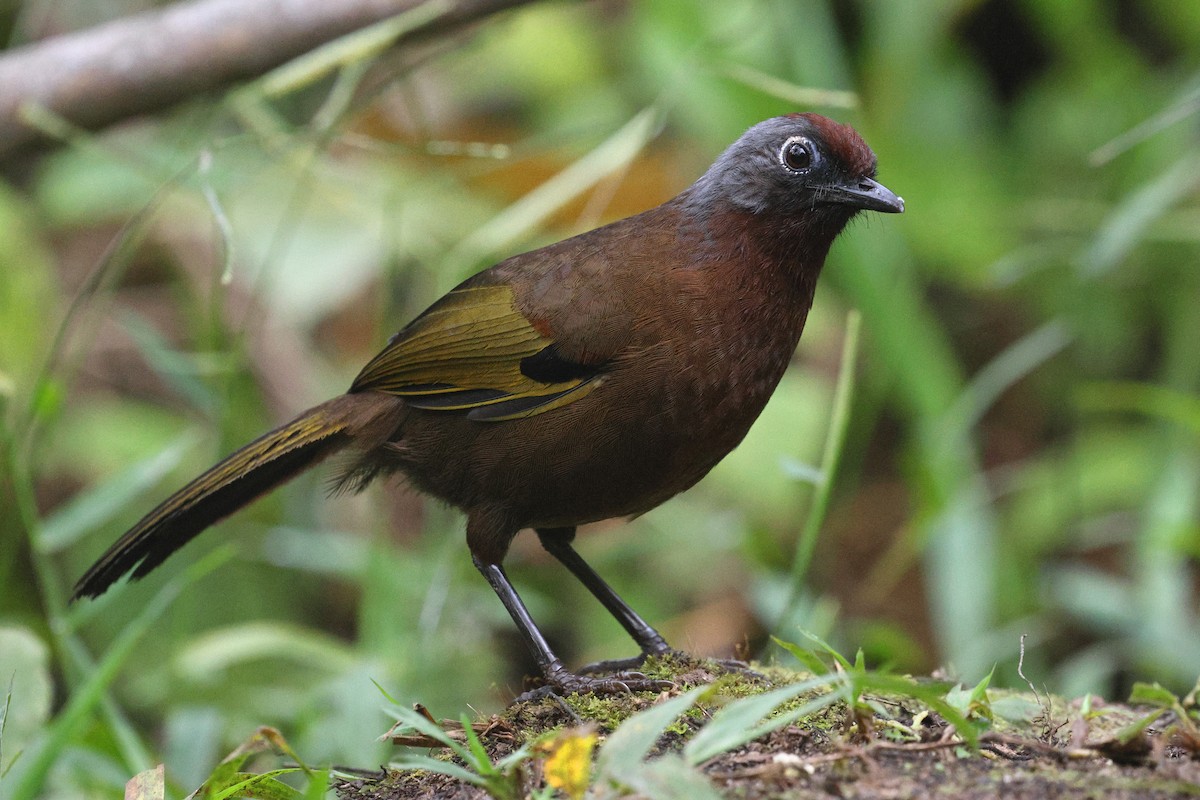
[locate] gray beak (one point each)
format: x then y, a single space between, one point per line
866 194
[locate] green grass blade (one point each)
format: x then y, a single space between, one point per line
182 372
516 222
96 506
421 724
811 661
354 47
1181 109
1002 372
932 695
480 759
65 728
835 440
416 761
1127 224
631 742
666 778
225 648
800 96
261 786
1161 402
737 723
3 723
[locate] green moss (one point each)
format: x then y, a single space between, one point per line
834 742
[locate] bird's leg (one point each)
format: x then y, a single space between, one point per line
557 542
557 677
546 660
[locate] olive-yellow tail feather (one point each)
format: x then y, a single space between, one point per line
253 470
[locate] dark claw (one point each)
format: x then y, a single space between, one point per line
631 664
564 684
568 683
613 665
621 676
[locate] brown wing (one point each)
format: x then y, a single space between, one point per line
474 351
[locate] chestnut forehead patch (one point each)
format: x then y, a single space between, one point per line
842 142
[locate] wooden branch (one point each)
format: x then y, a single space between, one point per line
151 61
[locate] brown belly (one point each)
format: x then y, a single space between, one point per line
620 451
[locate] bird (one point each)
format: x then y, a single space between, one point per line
590 379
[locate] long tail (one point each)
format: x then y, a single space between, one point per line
255 469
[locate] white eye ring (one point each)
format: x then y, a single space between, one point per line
797 154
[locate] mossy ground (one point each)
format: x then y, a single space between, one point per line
1052 753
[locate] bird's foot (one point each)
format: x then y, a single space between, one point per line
563 683
613 665
622 675
636 662
658 649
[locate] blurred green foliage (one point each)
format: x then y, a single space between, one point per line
1024 446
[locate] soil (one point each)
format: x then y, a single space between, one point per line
1060 752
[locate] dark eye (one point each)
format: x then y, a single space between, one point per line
797 154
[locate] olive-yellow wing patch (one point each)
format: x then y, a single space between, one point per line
474 351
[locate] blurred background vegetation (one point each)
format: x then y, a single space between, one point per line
1023 455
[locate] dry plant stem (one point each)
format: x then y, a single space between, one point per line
148 62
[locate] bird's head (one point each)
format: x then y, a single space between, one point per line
799 166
